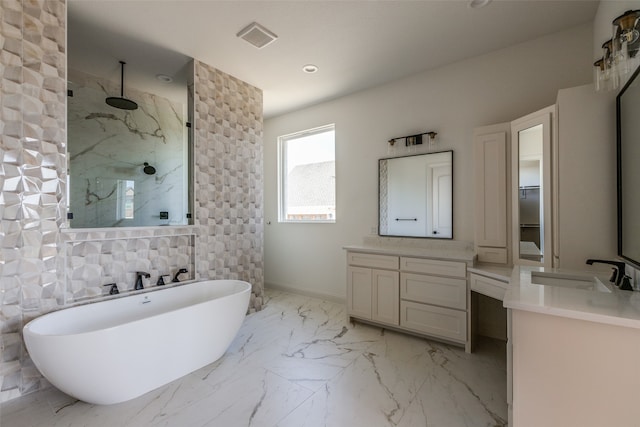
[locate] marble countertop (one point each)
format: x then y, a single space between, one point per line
615 307
449 254
443 249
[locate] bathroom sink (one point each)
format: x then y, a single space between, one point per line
566 280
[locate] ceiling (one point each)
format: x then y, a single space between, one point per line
355 44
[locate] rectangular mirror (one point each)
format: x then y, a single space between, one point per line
415 196
125 167
128 130
628 126
529 186
532 188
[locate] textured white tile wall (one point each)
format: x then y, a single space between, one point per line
32 181
229 179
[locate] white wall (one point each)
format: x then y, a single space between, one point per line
587 177
493 88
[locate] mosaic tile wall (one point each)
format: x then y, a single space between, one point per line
32 121
229 191
42 268
97 258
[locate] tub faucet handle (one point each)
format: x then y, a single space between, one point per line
114 288
160 281
139 275
182 270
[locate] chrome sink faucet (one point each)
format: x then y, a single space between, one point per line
139 276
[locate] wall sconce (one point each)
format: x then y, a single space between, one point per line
411 141
620 54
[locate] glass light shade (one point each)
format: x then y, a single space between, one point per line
624 46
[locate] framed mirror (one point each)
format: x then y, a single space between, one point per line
415 195
128 130
628 152
532 188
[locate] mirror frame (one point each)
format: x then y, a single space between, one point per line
623 141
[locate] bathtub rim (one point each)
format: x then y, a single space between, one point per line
28 327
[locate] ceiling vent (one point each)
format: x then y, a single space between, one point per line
257 35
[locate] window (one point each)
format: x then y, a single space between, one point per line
126 193
307 176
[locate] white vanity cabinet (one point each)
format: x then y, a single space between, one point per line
420 295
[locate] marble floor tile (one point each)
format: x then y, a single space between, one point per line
299 362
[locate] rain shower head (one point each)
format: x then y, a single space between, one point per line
120 101
148 169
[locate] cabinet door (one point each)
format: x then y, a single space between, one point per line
359 292
386 296
490 152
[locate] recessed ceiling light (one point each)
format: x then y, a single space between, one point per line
164 78
310 68
477 4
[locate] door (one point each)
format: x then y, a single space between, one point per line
442 222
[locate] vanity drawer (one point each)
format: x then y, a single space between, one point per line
443 291
493 255
372 260
431 320
431 266
486 286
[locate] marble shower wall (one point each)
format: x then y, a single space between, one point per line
229 191
107 151
43 268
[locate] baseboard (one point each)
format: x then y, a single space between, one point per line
326 297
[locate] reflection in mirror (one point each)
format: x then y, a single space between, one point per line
126 167
530 191
531 195
415 196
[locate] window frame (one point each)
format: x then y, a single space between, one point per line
282 176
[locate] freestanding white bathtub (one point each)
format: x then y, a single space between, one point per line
112 351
